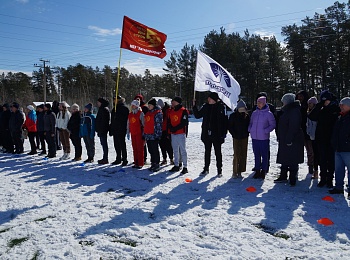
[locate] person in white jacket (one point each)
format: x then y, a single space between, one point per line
61 123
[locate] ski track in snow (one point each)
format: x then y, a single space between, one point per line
69 211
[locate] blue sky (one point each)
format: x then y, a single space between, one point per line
68 32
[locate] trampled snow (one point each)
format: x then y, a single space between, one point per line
66 210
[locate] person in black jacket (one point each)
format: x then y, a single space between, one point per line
74 129
102 127
55 109
15 127
165 141
290 139
4 127
40 128
341 145
118 128
214 129
50 129
238 127
326 114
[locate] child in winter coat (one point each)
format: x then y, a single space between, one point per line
153 132
238 127
30 125
87 132
61 125
262 122
135 129
311 132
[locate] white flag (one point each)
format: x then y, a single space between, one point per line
211 76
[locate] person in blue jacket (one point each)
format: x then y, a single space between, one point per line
87 132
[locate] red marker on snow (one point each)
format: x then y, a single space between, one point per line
188 180
325 222
250 189
328 198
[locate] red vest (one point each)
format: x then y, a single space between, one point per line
135 126
149 122
175 118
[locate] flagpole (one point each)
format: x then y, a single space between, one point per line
117 83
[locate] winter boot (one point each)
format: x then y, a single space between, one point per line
283 177
175 169
293 176
219 173
184 170
204 172
164 162
256 174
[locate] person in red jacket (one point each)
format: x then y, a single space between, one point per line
30 125
135 129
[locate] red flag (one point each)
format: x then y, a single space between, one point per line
142 39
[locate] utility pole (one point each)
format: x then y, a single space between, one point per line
44 75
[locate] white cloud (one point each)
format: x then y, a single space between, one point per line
22 1
138 66
104 32
15 71
230 28
264 33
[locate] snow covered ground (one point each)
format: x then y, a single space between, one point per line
65 210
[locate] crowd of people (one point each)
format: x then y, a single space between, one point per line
322 127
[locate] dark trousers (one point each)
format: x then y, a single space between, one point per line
120 147
7 141
207 154
145 152
103 141
57 140
165 146
17 141
261 154
293 172
51 143
76 140
32 136
153 151
90 146
37 140
42 140
327 164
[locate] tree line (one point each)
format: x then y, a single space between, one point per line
315 56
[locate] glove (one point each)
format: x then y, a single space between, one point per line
128 136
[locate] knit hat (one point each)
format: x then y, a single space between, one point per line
139 96
261 94
345 101
261 99
75 106
240 104
326 95
160 103
312 100
214 96
15 104
152 101
47 105
89 106
177 99
135 103
41 106
30 107
102 100
64 104
288 98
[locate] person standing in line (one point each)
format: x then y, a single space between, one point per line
238 127
30 125
144 108
262 122
153 132
40 128
341 146
87 132
290 139
102 127
165 142
178 128
74 129
61 125
311 131
15 126
303 97
214 130
326 115
55 109
50 128
135 125
5 129
118 128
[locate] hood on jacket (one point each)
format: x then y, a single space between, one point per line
305 96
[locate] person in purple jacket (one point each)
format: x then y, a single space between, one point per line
262 122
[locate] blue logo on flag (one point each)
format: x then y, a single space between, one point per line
220 72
